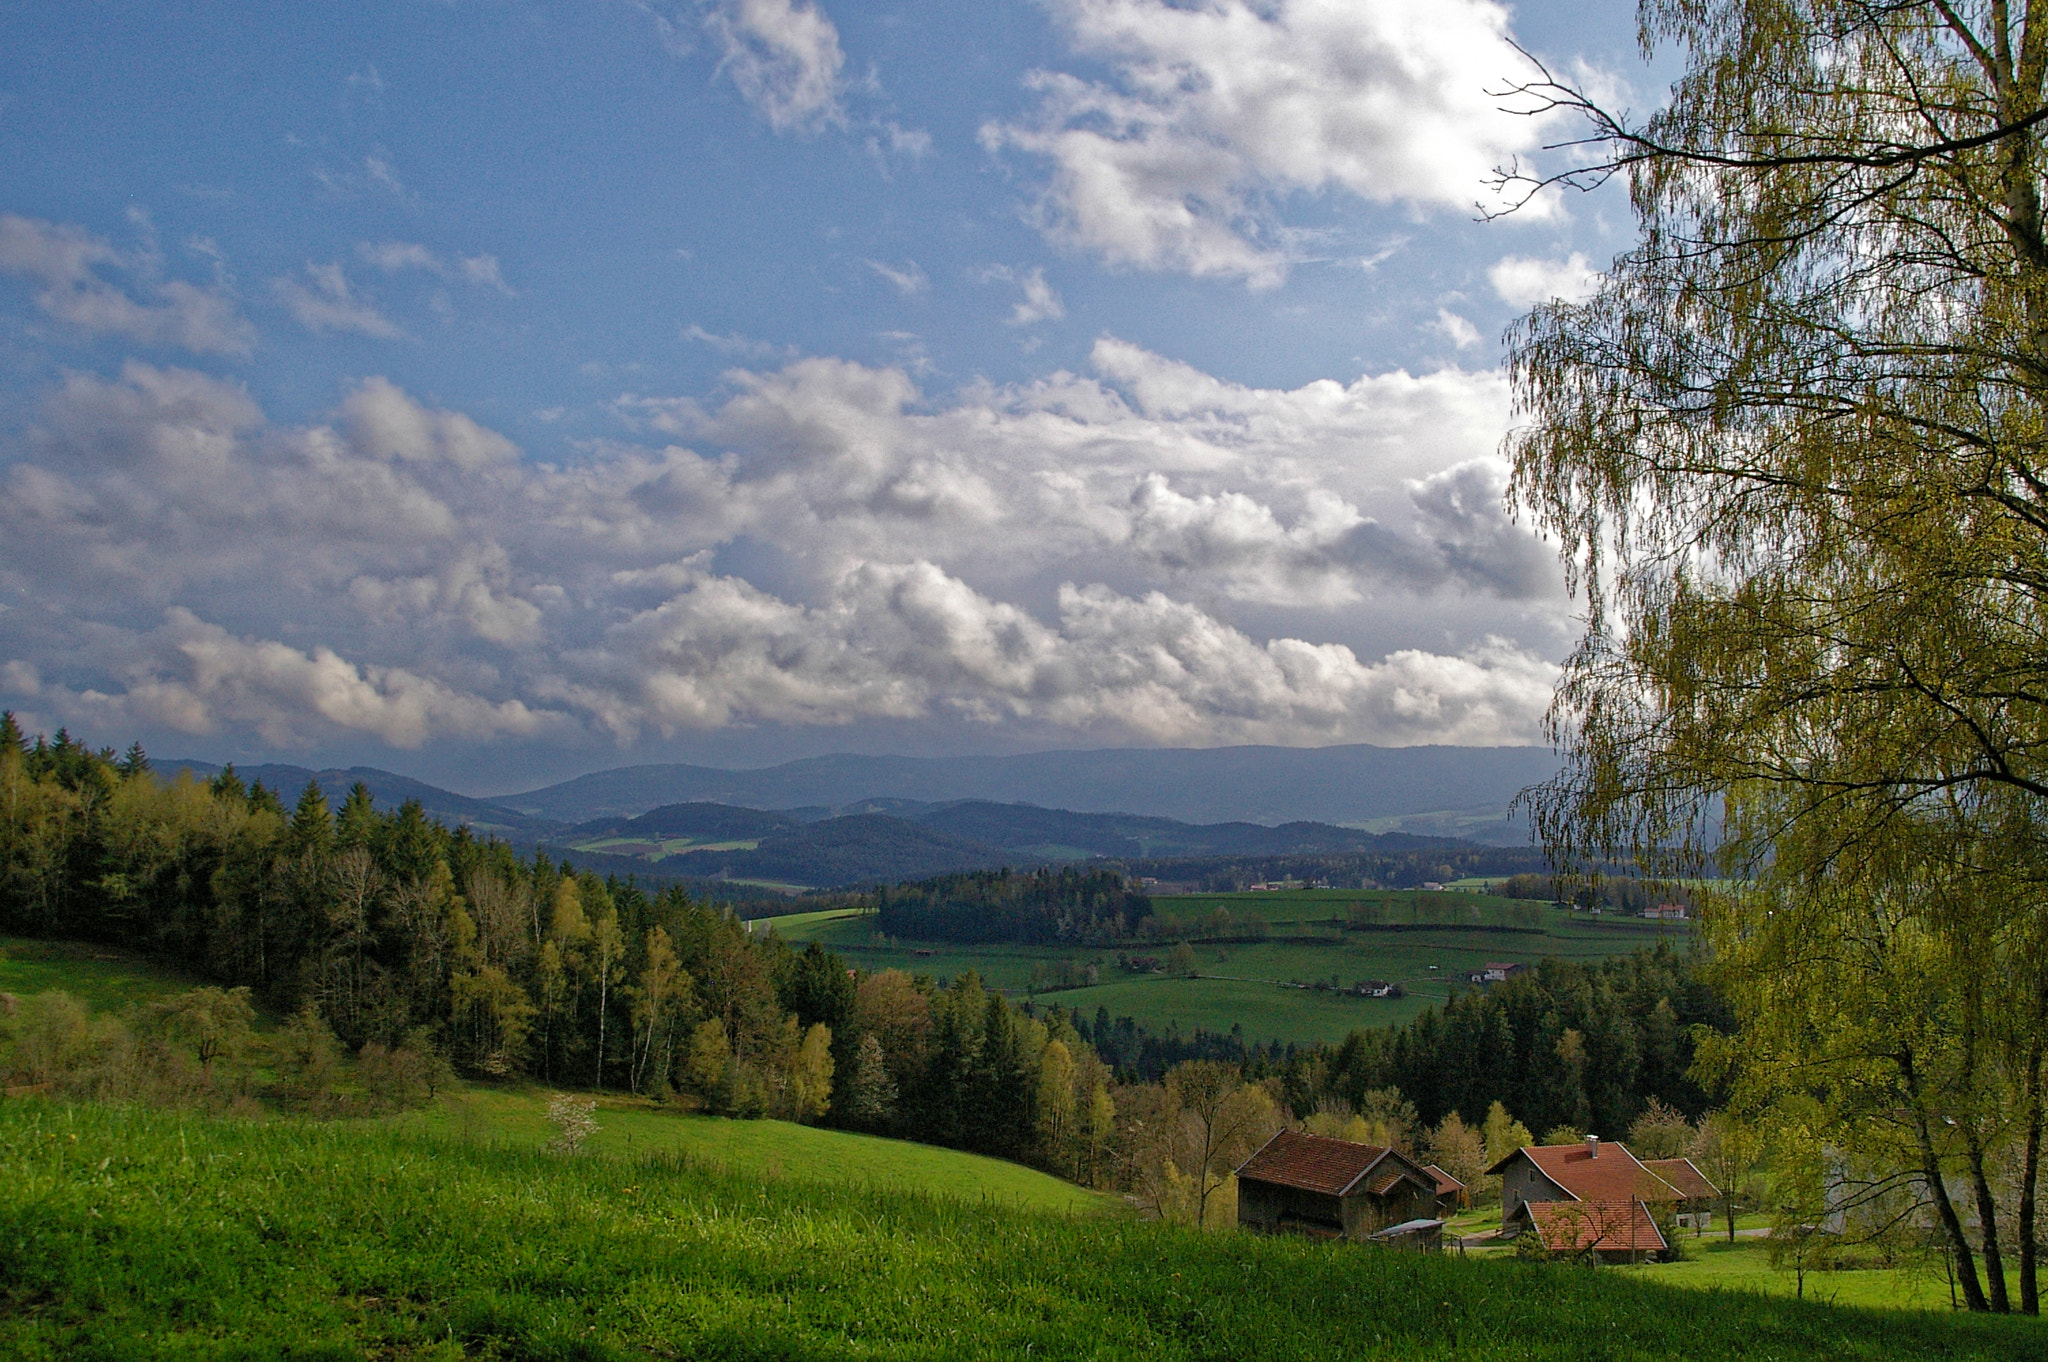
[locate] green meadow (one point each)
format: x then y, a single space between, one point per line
130 1234
1421 941
628 1127
105 979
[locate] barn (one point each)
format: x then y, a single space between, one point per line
1313 1184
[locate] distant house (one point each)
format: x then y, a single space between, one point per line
1451 1194
1669 912
1335 1189
1586 1188
1613 1231
1375 988
1696 1194
1494 972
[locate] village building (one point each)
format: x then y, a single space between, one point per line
1586 1194
1376 988
1336 1189
1696 1194
1621 1231
1670 912
1452 1195
1495 971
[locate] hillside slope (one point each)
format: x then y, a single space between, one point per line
142 1235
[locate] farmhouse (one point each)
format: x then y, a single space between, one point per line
1312 1184
1376 988
1581 1189
1670 912
1614 1231
1495 971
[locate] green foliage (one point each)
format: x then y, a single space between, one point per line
1063 904
147 1236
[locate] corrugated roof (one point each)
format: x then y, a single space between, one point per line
1314 1163
1615 1175
1445 1183
1685 1177
1576 1226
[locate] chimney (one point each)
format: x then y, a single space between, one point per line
1592 1146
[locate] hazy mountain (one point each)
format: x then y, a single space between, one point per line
387 789
1354 784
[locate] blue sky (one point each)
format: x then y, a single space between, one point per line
496 391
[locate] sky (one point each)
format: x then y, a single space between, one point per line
497 391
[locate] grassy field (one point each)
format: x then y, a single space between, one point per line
105 979
1745 1266
515 1116
1421 941
135 1235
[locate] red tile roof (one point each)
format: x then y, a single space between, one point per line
1445 1183
1615 1175
1576 1226
1318 1163
1685 1177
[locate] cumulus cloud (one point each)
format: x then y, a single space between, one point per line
819 543
328 303
1524 282
195 677
783 56
1217 110
71 266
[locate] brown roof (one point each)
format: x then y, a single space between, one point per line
1615 1175
1684 1177
1318 1163
1576 1226
1445 1183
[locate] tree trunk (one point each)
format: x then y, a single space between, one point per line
1987 1224
2030 1298
1937 1190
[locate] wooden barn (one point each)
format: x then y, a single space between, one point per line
1312 1184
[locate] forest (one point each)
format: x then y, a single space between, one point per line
1038 906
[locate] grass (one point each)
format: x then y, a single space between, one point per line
128 1234
1745 1266
1256 985
627 1127
105 979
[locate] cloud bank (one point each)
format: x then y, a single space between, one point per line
819 544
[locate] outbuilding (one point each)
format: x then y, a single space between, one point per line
1314 1184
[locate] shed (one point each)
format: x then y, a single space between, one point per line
1313 1184
1696 1194
1419 1236
1451 1194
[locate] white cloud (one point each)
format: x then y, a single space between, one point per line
784 58
195 677
1456 329
1524 282
330 304
909 281
822 543
69 264
1220 109
1041 302
395 256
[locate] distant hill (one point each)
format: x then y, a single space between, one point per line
1462 791
389 790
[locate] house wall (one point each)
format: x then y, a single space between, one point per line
1365 1214
1524 1182
1264 1206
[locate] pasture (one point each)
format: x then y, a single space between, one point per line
1422 941
134 1234
105 979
